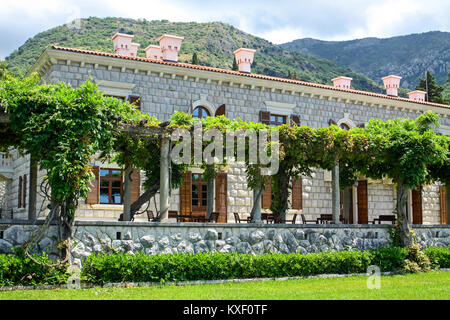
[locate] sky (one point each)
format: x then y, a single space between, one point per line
277 21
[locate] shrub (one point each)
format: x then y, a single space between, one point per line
103 268
439 256
21 270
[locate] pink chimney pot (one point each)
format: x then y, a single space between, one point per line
124 46
170 45
342 82
153 52
417 95
244 59
391 83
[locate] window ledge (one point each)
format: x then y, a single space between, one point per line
118 207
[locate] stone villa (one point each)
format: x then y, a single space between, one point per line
159 85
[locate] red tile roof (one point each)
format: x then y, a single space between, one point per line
250 75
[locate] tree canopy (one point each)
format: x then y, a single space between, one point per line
429 85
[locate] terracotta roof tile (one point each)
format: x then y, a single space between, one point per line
249 75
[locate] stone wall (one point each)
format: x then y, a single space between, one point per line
154 238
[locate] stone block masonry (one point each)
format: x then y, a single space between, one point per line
167 238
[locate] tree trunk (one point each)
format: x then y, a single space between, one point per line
143 199
32 191
210 196
256 209
402 221
281 201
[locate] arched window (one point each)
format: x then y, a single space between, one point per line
200 112
344 126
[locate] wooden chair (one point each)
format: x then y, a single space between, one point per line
385 217
304 221
238 219
213 217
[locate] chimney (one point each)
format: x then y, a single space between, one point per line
342 82
391 83
153 52
244 59
170 45
417 95
124 46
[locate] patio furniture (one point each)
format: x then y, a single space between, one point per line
173 214
238 219
268 217
213 217
385 217
306 221
325 218
294 218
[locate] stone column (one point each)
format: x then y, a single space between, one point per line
164 178
257 205
355 204
127 192
335 193
32 191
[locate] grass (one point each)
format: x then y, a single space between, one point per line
423 286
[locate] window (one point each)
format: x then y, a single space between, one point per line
111 186
200 112
277 120
116 97
344 126
199 193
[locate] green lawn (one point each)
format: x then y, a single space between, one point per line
432 285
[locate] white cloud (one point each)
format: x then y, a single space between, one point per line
277 21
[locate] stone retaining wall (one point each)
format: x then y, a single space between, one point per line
154 238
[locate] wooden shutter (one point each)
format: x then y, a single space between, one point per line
135 185
266 196
363 208
186 194
443 196
92 196
19 196
24 192
264 117
295 119
220 111
221 197
136 100
417 205
297 196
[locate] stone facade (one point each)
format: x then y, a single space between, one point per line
164 89
154 238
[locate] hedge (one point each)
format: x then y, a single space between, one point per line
106 268
21 270
139 267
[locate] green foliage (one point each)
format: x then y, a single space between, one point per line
439 256
195 58
416 259
62 128
429 85
103 268
401 149
21 270
446 91
213 42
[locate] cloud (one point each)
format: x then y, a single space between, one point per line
276 21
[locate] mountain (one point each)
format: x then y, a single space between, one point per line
213 42
407 56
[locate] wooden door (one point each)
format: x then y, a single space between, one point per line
443 210
363 208
347 193
221 197
185 194
417 205
297 196
266 196
199 197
